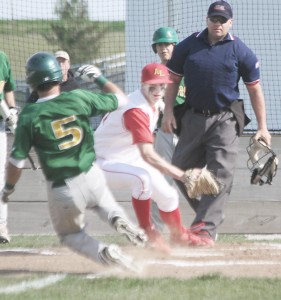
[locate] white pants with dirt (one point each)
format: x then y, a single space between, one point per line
144 180
67 206
3 157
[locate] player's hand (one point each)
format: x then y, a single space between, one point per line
264 135
88 73
168 123
5 193
13 118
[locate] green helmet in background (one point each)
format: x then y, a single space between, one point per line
42 67
164 35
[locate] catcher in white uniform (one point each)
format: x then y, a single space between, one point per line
125 152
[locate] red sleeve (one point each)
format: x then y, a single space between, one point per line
137 122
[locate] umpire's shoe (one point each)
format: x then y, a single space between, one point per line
113 255
132 233
4 236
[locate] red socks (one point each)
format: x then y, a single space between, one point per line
172 220
142 211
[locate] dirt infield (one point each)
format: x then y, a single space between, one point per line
253 259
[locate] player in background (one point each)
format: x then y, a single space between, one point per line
7 87
163 43
125 152
68 83
58 128
212 62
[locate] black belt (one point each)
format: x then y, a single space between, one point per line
58 183
208 112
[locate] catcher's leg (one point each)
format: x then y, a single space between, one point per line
167 200
155 239
164 145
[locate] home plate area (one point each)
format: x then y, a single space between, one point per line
249 259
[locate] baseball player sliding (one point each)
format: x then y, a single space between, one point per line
125 152
58 128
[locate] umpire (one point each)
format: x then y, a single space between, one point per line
212 62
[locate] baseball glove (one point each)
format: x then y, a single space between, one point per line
203 184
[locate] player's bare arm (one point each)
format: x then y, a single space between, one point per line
153 158
13 174
150 156
258 104
10 98
168 121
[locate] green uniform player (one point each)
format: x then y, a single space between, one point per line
60 132
58 128
7 102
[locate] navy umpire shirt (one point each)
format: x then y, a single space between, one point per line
211 73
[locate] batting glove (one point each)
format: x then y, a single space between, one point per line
13 119
5 193
88 73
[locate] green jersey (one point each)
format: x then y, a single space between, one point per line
5 73
181 94
60 132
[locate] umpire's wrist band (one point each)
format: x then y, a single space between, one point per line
101 81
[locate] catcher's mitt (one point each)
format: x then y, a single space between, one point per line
203 184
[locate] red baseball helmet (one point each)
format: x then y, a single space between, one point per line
155 73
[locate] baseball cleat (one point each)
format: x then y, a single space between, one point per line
156 241
183 239
113 255
132 233
4 236
202 238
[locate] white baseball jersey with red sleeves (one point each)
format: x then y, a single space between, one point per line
113 141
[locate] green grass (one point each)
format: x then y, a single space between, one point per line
21 38
14 27
212 287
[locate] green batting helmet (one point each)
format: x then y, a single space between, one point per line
42 67
164 35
